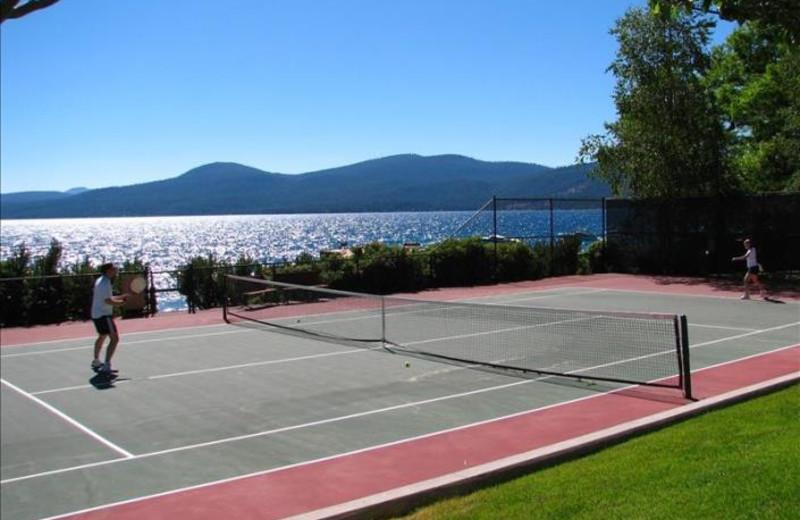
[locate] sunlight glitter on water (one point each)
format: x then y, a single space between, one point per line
167 243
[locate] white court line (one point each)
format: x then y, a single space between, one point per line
71 421
352 416
535 295
531 296
748 332
351 453
274 431
217 369
753 333
752 356
476 334
220 369
126 343
495 331
670 352
314 356
354 351
401 348
261 363
722 327
317 461
92 338
733 297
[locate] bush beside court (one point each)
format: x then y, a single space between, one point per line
383 269
36 291
39 291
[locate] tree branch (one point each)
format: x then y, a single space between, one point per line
10 9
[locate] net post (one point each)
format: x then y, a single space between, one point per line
686 371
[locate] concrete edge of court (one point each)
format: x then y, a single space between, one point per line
404 499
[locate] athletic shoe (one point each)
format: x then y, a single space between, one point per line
96 365
106 369
745 297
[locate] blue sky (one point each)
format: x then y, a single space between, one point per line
100 93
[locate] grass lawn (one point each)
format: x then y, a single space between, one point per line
741 462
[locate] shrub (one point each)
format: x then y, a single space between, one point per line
338 272
374 268
197 281
461 262
592 259
45 295
564 260
515 261
12 293
384 270
78 287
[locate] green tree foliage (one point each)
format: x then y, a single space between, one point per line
45 293
39 291
197 281
461 262
36 291
669 140
565 257
202 281
12 292
781 14
386 269
78 287
755 78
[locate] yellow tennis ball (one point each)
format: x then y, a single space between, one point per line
408 364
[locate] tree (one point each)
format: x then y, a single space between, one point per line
755 78
784 14
12 9
668 140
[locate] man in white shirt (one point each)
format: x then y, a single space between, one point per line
103 303
753 268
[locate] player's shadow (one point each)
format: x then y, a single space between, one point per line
102 381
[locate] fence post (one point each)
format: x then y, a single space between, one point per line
191 297
552 239
494 236
151 292
603 231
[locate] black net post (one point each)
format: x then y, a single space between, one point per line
685 366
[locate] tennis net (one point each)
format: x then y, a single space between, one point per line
623 347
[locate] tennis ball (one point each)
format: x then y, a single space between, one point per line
408 364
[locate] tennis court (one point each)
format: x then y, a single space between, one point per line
250 421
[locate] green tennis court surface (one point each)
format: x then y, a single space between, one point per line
199 407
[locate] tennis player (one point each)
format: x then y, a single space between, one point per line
751 276
103 303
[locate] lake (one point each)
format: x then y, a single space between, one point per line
167 243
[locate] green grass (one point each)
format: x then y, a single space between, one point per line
741 462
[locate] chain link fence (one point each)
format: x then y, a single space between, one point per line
699 236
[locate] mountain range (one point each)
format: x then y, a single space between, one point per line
397 183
